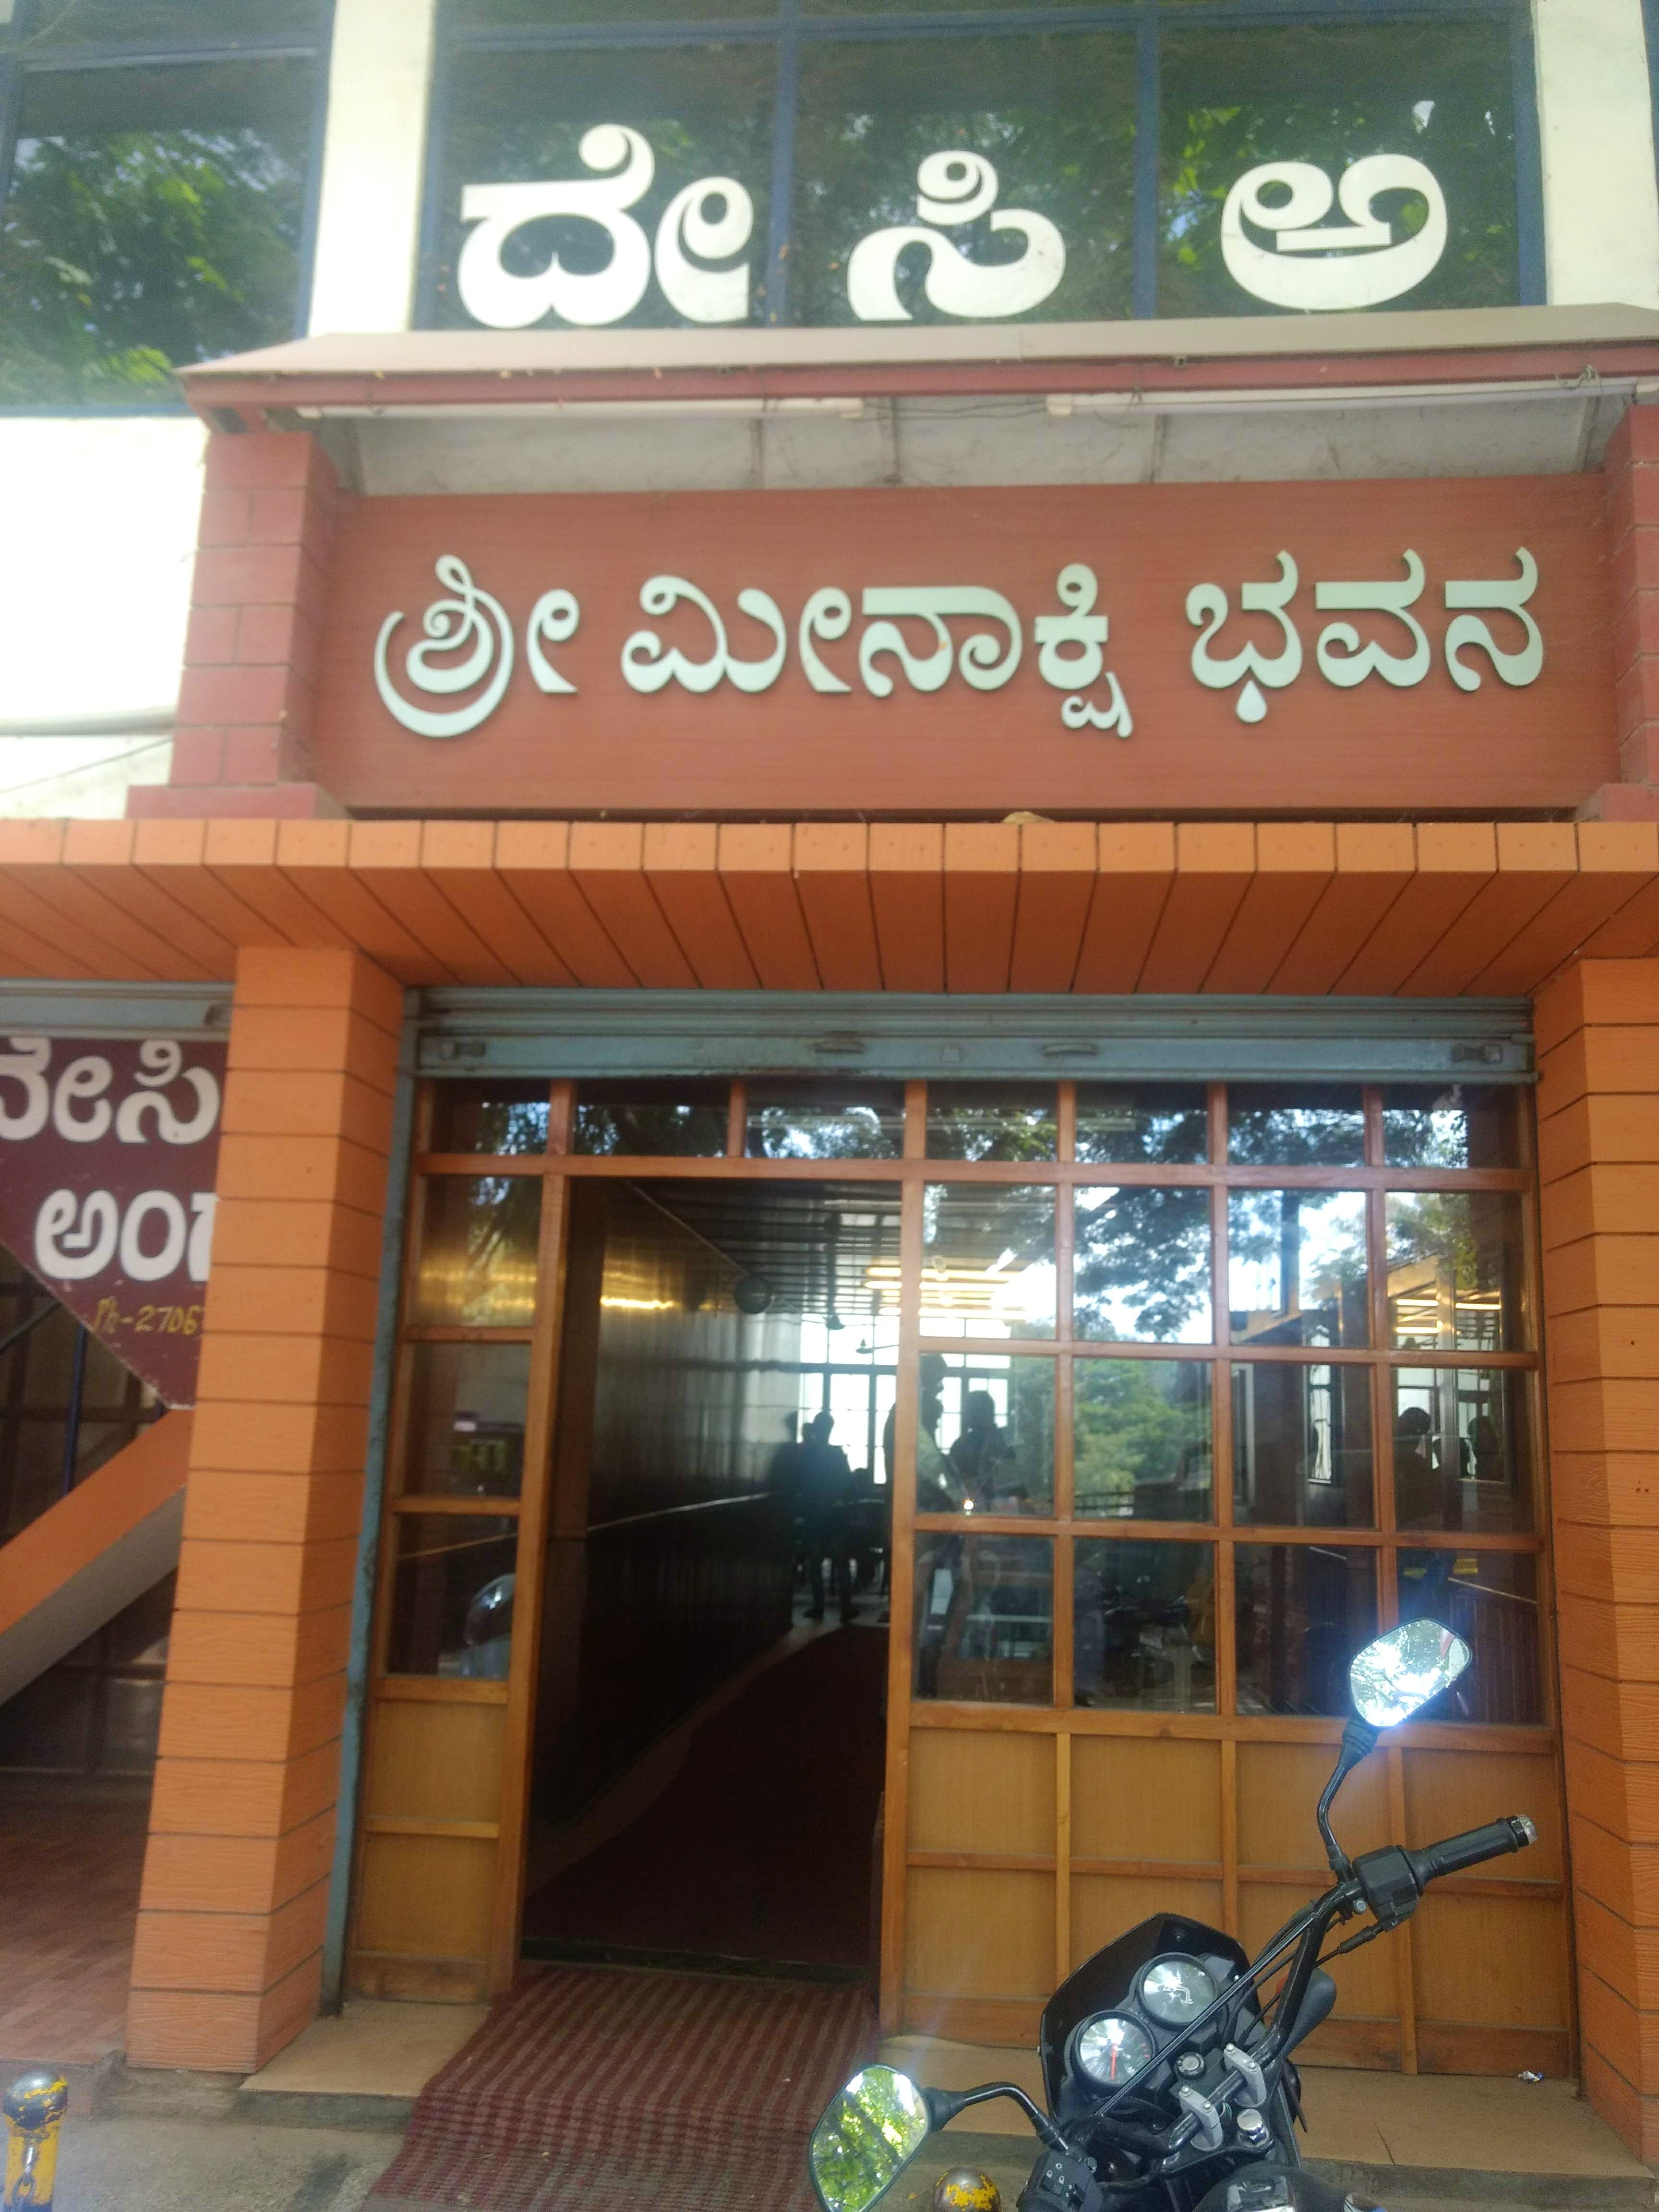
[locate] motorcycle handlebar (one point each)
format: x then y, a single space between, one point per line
1454 1853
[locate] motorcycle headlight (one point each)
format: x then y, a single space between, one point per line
1111 2049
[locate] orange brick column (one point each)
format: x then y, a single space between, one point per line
230 1927
1598 1038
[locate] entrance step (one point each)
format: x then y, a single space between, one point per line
617 2089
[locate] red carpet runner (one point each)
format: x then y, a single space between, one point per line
618 2091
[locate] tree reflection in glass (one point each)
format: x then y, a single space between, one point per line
1142 1271
1295 1266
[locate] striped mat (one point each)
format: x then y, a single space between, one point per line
618 2091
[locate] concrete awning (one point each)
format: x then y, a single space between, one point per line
372 374
1434 909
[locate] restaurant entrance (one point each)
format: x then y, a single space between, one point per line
1149 1402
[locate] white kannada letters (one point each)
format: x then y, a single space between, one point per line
1341 659
77 1238
83 1085
713 219
457 625
953 189
1360 265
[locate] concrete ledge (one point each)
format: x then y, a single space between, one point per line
154 2092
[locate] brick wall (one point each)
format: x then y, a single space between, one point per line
242 743
1598 1037
226 1962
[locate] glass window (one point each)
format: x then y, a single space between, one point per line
1455 1271
984 1619
524 119
1032 138
1301 1612
1296 1125
155 217
1302 1446
985 1434
1142 1268
466 1408
1168 1123
516 14
988 1266
1461 1450
1436 95
828 1120
1141 1441
982 1121
1295 1266
1432 1125
144 22
489 1117
478 1238
680 1119
452 1596
1144 1617
1491 1599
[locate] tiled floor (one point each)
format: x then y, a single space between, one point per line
68 1900
1487 2123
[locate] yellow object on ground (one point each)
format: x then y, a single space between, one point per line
964 2189
35 2107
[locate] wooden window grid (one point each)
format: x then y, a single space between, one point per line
1063 1721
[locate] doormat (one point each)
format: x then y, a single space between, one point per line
618 2091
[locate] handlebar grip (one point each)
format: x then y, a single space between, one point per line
1454 1853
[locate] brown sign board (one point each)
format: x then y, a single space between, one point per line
1313 647
109 1149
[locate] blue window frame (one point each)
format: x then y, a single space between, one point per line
159 170
1114 137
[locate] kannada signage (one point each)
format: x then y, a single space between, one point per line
1301 646
108 1153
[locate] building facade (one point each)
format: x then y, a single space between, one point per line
976 675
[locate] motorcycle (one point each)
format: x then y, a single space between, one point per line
1168 2074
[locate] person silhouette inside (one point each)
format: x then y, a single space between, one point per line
1428 1493
982 1455
825 1483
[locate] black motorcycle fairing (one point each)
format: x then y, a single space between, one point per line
1102 1984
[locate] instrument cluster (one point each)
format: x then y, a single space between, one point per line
1109 2049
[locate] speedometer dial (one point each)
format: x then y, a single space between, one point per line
1173 1991
1111 2049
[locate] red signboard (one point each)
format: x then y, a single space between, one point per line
108 1154
1296 646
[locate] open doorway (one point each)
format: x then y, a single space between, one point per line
708 1755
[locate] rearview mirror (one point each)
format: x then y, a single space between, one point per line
871 2129
1402 1670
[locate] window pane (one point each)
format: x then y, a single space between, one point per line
1145 1625
1455 1271
1142 1448
1143 1265
1491 1599
805 1120
1045 128
521 118
985 1434
684 1120
1165 1122
1295 1266
1302 1446
489 1117
984 1122
987 1264
1432 1125
984 1619
519 15
478 1251
143 22
154 218
932 7
1460 1450
1302 1611
1439 95
466 1404
1299 1125
452 1596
